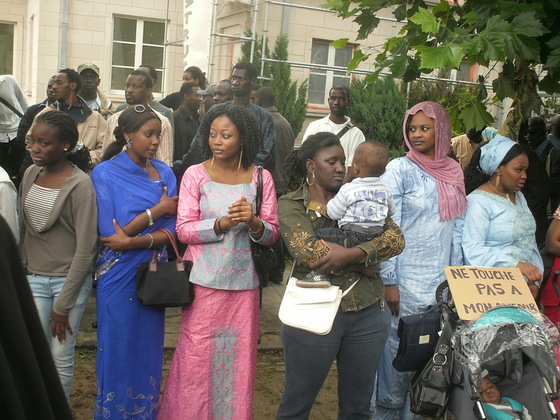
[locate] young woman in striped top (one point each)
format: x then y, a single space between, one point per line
59 233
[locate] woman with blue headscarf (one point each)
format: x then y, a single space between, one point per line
499 229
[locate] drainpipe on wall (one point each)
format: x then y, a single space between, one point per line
63 33
254 29
285 22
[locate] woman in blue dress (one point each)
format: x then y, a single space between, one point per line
499 228
429 194
136 196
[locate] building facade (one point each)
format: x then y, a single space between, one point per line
38 37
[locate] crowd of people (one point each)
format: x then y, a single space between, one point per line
98 183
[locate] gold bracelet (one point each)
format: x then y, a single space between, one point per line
258 230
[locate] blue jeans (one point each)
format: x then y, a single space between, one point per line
45 293
355 341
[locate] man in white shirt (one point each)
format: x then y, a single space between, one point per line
138 91
336 122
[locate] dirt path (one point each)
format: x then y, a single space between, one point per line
268 388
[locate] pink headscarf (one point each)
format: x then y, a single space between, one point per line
447 172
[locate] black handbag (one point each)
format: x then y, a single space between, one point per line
431 387
264 257
164 284
418 335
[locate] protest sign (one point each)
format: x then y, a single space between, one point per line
476 290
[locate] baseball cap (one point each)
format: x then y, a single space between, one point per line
89 66
208 91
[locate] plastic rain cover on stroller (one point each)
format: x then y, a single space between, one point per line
514 348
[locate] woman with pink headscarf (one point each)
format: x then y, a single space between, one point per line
429 194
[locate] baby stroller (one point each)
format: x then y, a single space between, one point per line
514 348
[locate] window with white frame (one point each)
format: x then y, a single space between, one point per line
322 79
6 48
136 42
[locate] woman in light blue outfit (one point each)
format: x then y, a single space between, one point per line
499 228
428 190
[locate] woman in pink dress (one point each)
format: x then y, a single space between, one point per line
213 369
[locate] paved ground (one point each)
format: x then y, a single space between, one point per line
270 324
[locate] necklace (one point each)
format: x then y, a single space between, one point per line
499 192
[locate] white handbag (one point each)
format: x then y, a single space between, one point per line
311 309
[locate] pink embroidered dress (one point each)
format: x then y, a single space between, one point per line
213 369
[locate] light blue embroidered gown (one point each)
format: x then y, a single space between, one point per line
498 233
431 243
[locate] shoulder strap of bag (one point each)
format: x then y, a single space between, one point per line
344 130
343 294
350 288
9 105
258 198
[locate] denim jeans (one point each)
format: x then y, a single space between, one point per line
355 341
45 293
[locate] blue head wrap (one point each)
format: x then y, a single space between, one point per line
493 153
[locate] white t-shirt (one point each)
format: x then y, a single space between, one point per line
350 140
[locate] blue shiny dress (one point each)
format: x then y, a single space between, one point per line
130 336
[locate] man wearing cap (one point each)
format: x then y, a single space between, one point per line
187 119
223 92
207 96
90 93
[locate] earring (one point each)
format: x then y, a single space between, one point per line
66 149
128 143
240 157
307 178
498 175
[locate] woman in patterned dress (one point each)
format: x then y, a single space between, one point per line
213 369
361 325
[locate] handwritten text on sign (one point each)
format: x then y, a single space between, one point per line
476 290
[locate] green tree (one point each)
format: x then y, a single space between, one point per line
291 99
520 39
452 96
257 52
378 109
551 108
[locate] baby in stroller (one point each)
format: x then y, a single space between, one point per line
498 408
509 346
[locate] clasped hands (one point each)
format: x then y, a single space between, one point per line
240 211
